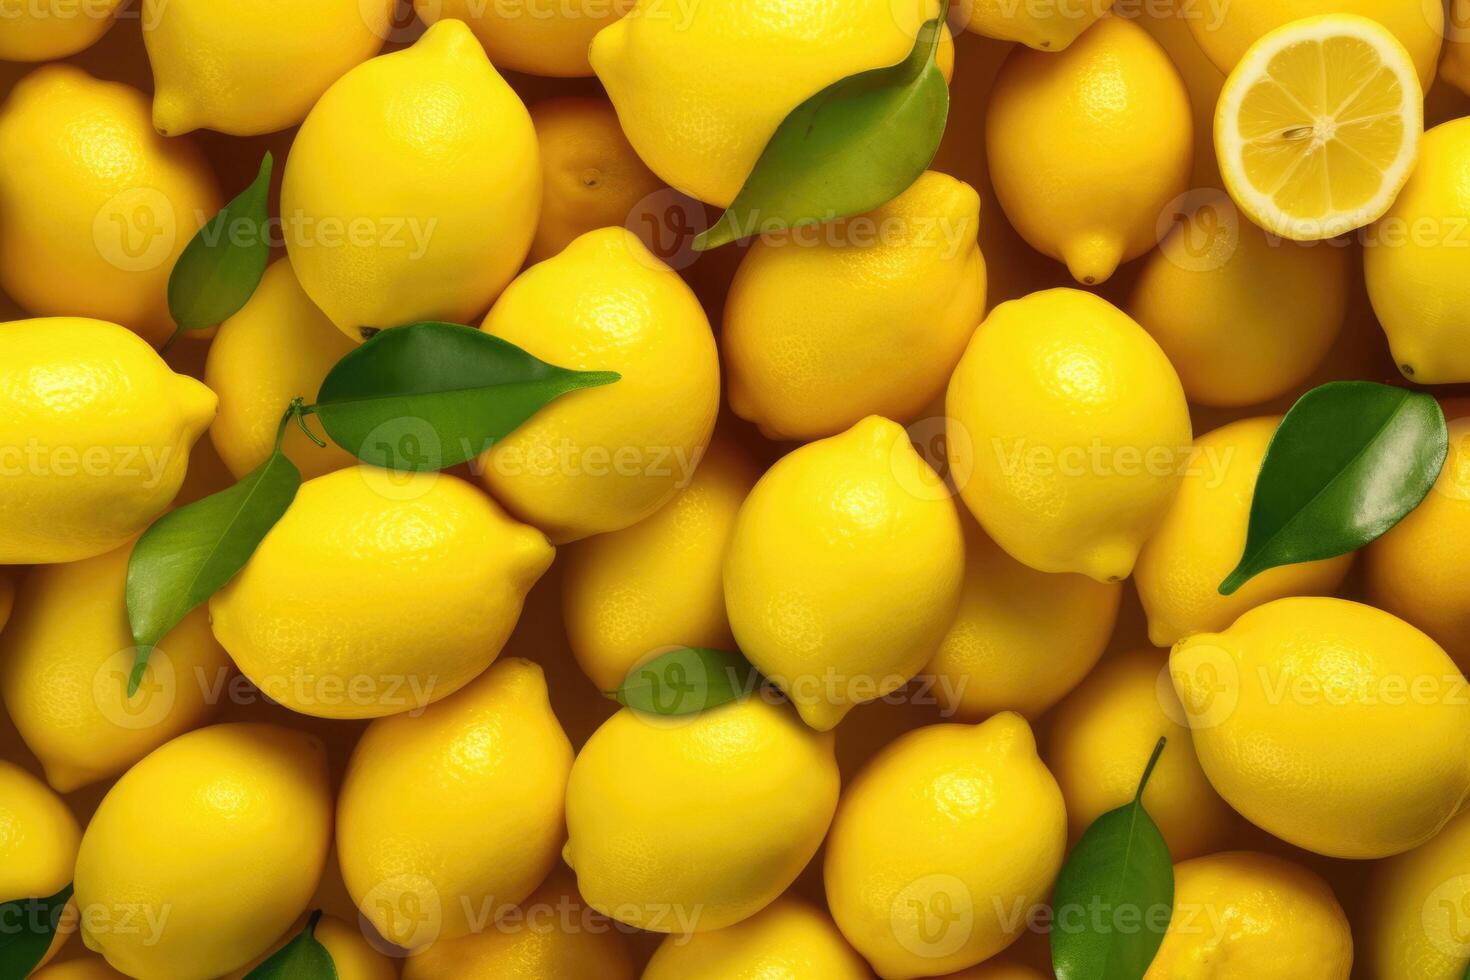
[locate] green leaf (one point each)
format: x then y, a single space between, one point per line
427 396
189 554
27 927
303 958
1347 463
852 147
1115 895
219 269
686 681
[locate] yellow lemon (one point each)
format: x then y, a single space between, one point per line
1043 26
681 78
213 846
1088 146
908 279
95 206
983 833
1410 262
648 795
1414 922
278 347
1454 66
378 593
844 570
455 813
789 938
353 956
1022 638
91 968
590 176
1244 317
7 593
38 837
539 37
1101 738
412 188
1319 125
44 30
1202 537
633 593
1243 914
998 968
601 459
64 666
1333 725
252 68
1068 431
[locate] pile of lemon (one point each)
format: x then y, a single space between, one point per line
955 508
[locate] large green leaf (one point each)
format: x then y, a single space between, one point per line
218 270
27 927
686 681
303 958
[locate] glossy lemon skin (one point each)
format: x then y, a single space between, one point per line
908 278
789 938
441 220
1454 64
1045 27
984 831
353 956
225 831
997 969
1068 433
1333 725
530 36
45 30
1413 925
748 771
844 569
602 459
38 836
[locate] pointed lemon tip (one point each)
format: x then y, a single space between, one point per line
822 716
1093 261
171 116
450 39
197 403
1110 562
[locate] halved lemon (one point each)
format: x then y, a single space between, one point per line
1318 126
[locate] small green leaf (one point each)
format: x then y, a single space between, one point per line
852 147
428 396
219 269
1347 463
303 958
27 927
1115 895
686 681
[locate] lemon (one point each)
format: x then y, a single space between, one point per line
64 666
983 832
38 837
95 206
91 968
44 30
1202 538
1333 725
1318 126
1454 67
602 459
844 570
633 593
418 854
7 593
551 935
211 846
1068 432
412 188
1101 737
1022 638
789 938
353 956
998 968
378 593
681 79
1088 146
1243 914
868 316
1410 262
1045 27
278 347
590 176
1413 924
246 69
1243 317
532 36
650 799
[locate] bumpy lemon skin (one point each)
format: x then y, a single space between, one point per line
748 771
1244 914
602 459
844 569
1070 430
64 666
45 30
1087 147
95 207
91 968
1333 725
353 956
1045 27
441 220
412 827
224 831
789 938
532 36
38 837
1412 925
908 278
984 829
330 616
1454 64
1202 537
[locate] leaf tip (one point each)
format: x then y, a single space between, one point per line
135 678
1236 579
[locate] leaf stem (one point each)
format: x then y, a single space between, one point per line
167 344
310 930
1148 770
